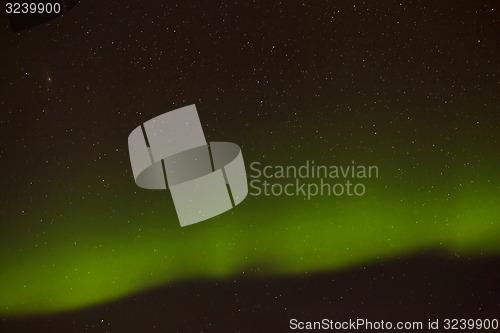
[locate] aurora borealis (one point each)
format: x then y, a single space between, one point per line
90 260
412 89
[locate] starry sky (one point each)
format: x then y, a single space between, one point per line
409 86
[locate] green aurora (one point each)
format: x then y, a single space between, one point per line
105 247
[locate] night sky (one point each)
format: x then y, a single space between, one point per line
412 87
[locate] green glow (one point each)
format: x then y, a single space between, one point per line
91 260
118 240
